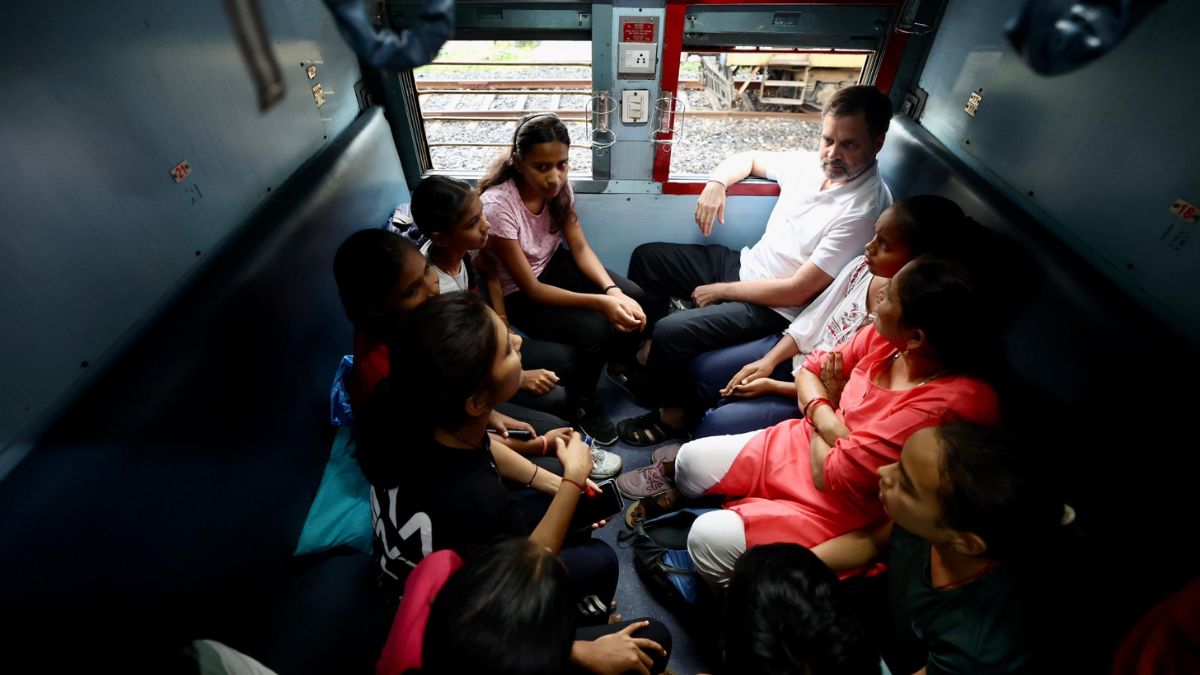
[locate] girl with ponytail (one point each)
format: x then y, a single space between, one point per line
554 293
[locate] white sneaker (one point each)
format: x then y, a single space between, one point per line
605 464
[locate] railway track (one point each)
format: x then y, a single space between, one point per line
513 99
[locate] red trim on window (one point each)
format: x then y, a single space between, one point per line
673 25
672 46
889 65
694 187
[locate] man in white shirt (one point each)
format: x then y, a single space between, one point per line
825 214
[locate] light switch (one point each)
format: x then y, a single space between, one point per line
635 106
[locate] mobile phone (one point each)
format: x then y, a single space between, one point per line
604 505
514 433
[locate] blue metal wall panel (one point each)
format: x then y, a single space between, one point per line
616 224
633 155
1098 155
103 99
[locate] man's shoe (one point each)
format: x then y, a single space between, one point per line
632 381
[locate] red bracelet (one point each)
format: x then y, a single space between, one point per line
808 406
568 480
545 445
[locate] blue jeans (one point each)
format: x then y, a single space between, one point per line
712 370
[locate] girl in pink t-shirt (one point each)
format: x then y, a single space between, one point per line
553 293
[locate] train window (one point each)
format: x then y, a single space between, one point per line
472 95
755 76
774 94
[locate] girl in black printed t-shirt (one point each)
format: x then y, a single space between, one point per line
436 478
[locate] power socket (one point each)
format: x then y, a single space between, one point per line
636 60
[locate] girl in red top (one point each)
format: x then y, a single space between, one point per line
806 481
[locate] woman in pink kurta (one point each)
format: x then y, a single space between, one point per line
806 481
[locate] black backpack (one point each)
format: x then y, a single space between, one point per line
662 561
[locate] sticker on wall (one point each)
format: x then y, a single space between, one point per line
633 30
319 95
1185 211
973 102
180 171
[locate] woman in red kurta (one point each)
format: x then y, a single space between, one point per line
806 481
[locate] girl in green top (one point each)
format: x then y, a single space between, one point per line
964 508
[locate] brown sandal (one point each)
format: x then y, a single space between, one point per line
651 507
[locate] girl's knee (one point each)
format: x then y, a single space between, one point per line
703 463
717 539
685 473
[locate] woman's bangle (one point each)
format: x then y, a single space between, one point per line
545 445
721 182
609 288
535 470
808 406
568 480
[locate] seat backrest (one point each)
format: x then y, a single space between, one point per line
1096 375
189 465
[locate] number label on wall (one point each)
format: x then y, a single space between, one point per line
1185 211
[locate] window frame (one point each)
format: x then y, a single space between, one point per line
569 20
473 18
888 64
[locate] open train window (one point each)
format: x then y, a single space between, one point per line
761 98
506 59
472 95
754 76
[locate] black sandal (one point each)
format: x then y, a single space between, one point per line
648 429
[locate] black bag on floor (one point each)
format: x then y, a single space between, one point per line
661 559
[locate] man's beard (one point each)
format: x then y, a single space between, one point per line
843 172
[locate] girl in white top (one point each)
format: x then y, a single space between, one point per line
760 393
447 211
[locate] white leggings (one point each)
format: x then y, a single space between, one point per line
717 538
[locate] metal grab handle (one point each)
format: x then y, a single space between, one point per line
669 116
597 121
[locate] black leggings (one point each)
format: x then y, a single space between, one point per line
555 357
591 564
587 331
675 270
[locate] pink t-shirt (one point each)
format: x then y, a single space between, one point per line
504 210
771 482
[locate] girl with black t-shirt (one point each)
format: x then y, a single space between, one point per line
436 477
